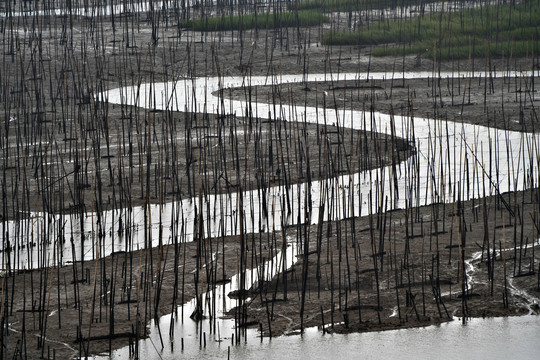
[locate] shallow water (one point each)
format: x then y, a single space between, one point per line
492 338
469 146
451 159
468 149
505 337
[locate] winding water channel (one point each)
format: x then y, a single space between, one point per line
449 158
432 175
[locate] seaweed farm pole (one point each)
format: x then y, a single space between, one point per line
374 255
114 272
4 323
486 233
503 250
320 222
243 260
462 231
304 276
397 293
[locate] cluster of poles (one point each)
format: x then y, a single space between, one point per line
110 171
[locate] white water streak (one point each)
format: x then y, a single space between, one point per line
450 158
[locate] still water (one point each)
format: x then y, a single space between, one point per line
498 338
494 338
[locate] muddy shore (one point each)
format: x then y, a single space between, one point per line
343 292
420 260
420 279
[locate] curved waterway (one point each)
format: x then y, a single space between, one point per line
450 159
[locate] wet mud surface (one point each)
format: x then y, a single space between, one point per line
65 151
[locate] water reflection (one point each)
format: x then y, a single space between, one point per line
432 185
493 338
431 177
448 159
